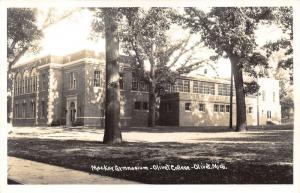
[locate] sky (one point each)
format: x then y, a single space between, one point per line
73 34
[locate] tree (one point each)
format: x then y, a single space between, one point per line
231 33
24 35
145 38
107 19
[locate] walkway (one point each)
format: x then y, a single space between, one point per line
30 172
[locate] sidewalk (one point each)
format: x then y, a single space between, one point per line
30 172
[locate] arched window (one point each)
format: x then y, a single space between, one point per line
33 80
26 81
18 82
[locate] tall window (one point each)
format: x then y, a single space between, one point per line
134 84
263 95
121 81
23 86
44 83
222 108
96 78
204 87
17 111
29 85
274 98
33 111
269 115
227 108
34 85
186 86
43 109
33 80
72 80
216 108
24 110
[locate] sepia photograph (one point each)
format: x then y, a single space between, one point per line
107 95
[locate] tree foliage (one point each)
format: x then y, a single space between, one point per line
230 31
145 38
22 33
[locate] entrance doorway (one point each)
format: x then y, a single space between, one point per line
72 110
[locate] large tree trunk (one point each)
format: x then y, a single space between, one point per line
152 103
241 119
152 98
112 134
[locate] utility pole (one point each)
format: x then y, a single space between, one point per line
231 96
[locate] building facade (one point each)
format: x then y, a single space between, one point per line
70 90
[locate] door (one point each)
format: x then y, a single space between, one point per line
72 112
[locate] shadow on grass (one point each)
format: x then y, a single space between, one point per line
242 169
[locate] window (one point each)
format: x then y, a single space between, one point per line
137 105
96 78
201 107
43 109
216 108
29 85
73 80
24 110
143 86
168 87
224 89
134 84
269 115
205 71
187 106
204 87
222 108
250 110
17 111
34 79
44 82
33 111
186 86
195 87
168 107
16 87
145 106
178 86
227 108
274 97
121 81
23 86
263 96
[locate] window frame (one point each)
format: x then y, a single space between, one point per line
188 106
97 78
201 107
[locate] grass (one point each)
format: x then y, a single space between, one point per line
260 156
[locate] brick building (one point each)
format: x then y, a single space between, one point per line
70 90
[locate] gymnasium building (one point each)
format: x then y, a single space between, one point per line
70 90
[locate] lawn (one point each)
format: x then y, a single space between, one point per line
260 156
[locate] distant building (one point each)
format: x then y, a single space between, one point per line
70 90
